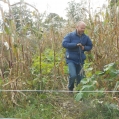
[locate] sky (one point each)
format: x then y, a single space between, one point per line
54 6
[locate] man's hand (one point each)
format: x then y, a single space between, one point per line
82 47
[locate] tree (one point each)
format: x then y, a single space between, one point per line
113 2
24 19
75 11
54 20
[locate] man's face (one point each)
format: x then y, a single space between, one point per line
81 29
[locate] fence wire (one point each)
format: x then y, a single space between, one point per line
59 91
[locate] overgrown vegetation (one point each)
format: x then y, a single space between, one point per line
33 72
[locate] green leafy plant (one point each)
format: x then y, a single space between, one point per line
109 73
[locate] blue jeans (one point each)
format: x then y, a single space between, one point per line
74 73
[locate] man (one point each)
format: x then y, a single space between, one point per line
76 43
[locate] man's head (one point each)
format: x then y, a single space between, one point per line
80 27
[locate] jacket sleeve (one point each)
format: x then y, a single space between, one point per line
66 43
88 45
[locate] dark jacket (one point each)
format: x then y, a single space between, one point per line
74 52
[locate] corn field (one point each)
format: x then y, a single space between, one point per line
32 58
